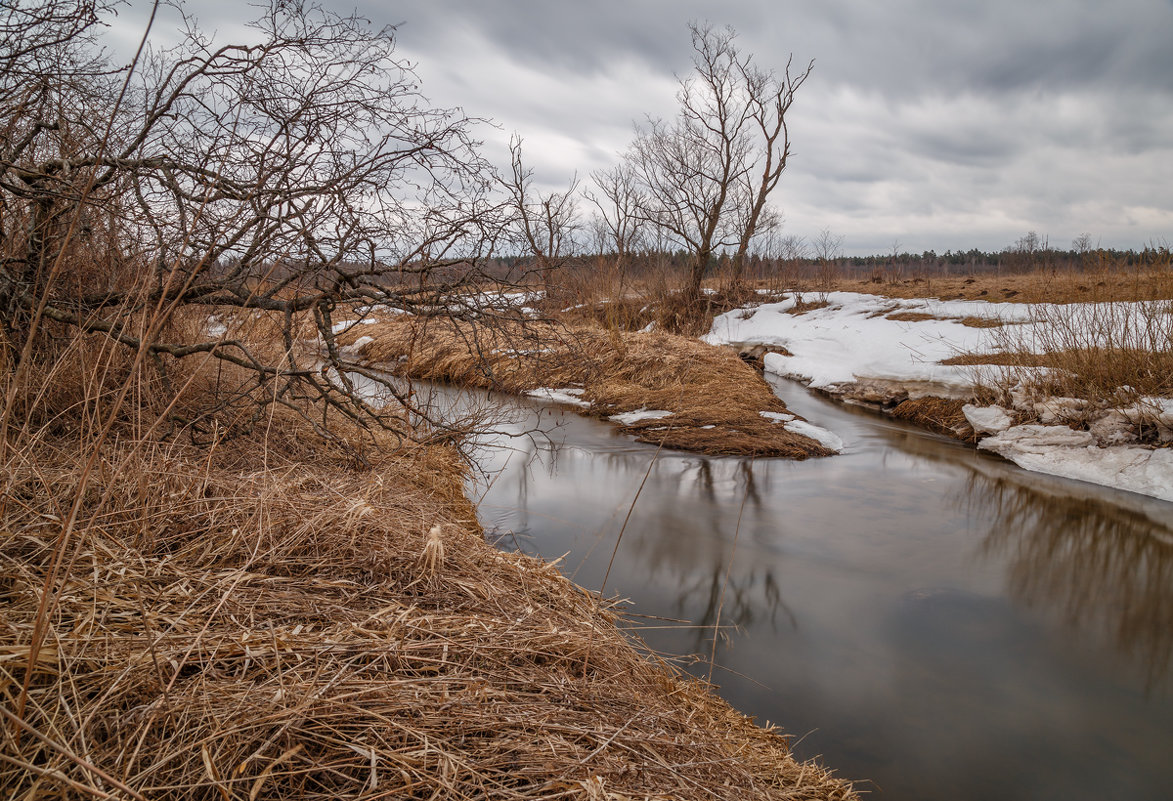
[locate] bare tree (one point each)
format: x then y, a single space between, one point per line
828 248
545 222
770 99
706 175
618 205
297 175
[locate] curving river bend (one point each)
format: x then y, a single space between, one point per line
921 615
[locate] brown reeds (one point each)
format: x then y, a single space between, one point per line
271 620
1107 354
715 399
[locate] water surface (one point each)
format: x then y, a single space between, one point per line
921 615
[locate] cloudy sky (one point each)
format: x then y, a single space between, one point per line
938 124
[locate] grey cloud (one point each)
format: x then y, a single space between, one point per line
946 123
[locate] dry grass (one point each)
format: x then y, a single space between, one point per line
942 415
602 294
982 322
1104 353
1106 283
1016 359
715 398
802 305
269 620
909 316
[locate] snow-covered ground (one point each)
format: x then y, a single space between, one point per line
852 338
852 343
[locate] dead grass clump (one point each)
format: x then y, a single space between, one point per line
714 397
982 322
910 316
802 306
232 623
942 415
1017 359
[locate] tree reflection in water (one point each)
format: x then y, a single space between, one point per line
1097 565
717 591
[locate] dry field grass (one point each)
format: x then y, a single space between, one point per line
715 398
1092 286
270 620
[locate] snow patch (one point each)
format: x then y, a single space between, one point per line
346 325
568 396
777 417
851 339
987 419
827 439
627 418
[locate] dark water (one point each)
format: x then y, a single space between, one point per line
921 615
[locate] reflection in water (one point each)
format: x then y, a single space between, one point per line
1099 565
908 606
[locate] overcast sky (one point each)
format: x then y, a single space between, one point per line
940 124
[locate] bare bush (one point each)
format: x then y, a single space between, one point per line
291 180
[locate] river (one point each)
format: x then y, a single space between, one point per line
920 615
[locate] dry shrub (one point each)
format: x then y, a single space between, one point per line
605 294
617 371
1107 353
268 620
942 415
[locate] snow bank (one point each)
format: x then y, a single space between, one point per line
852 338
1059 451
853 346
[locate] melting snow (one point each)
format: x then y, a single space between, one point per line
627 418
852 339
569 396
1059 451
827 439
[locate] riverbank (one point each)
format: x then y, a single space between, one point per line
272 618
1073 390
660 388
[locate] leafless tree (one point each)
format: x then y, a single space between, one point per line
297 175
705 176
545 223
828 248
618 205
1029 243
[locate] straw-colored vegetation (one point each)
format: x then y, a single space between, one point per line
1107 281
715 398
224 572
271 619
